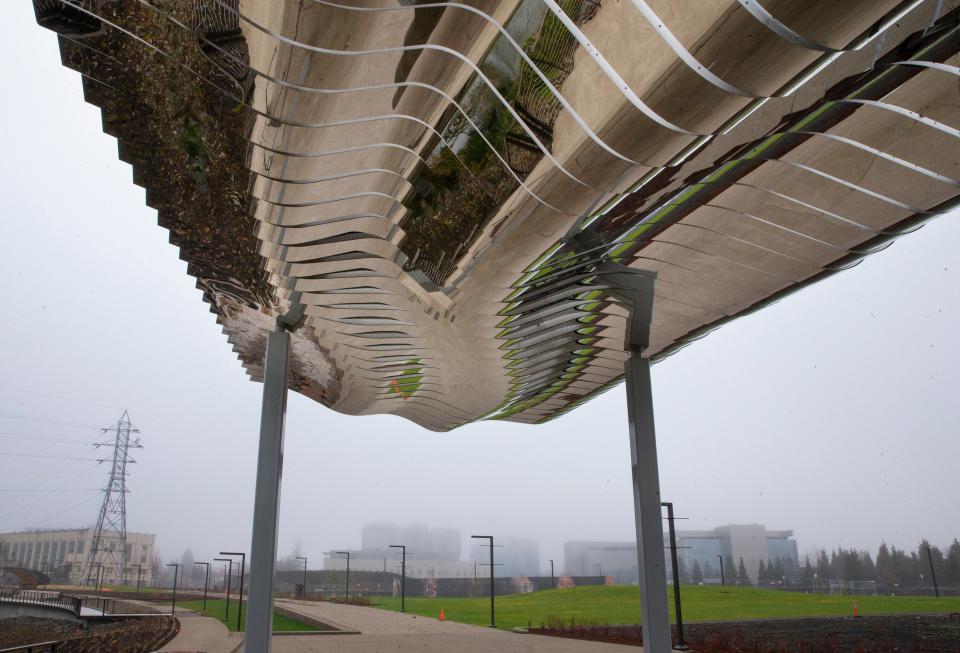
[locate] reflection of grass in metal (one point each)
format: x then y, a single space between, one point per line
619 604
410 381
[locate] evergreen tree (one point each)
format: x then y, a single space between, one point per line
761 573
682 571
742 577
188 570
952 571
823 564
807 573
777 572
884 567
696 575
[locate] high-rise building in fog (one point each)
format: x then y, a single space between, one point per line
441 544
514 556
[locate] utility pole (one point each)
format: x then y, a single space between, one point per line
229 577
553 584
139 569
243 568
206 580
933 574
493 621
403 574
681 644
176 568
304 558
109 542
347 553
722 579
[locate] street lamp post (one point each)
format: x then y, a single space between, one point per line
243 568
229 578
176 569
553 582
403 574
346 553
493 622
206 580
722 579
304 558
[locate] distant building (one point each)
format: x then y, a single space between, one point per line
616 559
513 556
61 554
752 542
431 552
360 561
426 543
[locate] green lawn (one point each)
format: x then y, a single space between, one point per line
217 608
621 605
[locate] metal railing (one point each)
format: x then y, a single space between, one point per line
45 599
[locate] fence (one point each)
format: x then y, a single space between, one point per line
46 599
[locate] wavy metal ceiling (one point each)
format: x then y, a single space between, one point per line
437 183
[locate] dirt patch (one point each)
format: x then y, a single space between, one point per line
127 636
881 634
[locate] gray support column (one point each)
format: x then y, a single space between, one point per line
263 550
635 288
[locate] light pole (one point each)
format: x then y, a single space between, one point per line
493 622
304 558
933 574
176 568
226 616
553 582
681 644
243 568
206 580
403 574
346 553
722 580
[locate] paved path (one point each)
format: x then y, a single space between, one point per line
200 634
387 632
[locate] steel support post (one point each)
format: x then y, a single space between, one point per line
263 549
635 289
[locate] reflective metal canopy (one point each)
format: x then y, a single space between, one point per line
437 184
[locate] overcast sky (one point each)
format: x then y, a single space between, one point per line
832 413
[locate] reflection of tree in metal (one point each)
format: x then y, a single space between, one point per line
453 204
552 49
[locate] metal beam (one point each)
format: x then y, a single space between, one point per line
263 549
635 288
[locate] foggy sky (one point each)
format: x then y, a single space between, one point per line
832 413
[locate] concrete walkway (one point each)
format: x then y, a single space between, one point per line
386 631
199 634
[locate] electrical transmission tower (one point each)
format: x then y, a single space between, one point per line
108 549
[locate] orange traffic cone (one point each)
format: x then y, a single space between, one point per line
441 615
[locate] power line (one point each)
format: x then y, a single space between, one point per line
53 489
52 421
44 455
54 396
44 438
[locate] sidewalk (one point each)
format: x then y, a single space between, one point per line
199 634
383 631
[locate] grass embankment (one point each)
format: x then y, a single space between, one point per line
620 605
217 608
